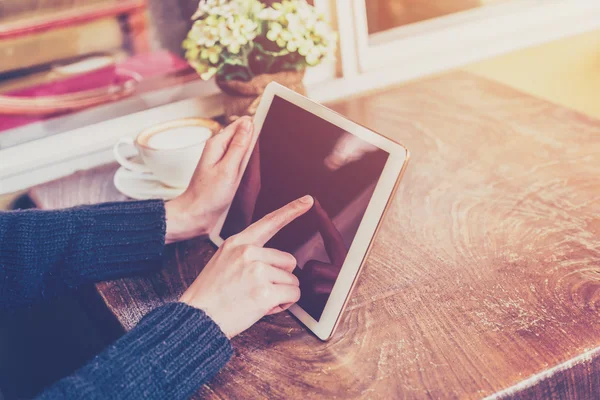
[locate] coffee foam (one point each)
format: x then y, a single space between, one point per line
176 138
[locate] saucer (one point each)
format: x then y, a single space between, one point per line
135 187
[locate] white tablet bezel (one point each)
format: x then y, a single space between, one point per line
384 190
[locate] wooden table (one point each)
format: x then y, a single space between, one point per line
483 281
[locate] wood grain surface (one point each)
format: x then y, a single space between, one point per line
484 279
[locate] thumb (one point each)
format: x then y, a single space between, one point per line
216 147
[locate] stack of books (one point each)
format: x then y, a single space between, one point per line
18 9
37 33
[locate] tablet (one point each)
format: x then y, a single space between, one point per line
300 147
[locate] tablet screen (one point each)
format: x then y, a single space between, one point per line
298 153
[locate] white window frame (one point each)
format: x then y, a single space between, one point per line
457 39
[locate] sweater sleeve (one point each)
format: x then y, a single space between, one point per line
43 252
172 352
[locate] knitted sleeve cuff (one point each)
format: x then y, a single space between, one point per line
181 347
111 240
170 354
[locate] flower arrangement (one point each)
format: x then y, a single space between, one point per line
241 39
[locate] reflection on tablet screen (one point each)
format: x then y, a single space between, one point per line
299 153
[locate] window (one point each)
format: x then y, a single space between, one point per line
383 15
124 58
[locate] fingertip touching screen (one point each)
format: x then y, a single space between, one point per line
298 153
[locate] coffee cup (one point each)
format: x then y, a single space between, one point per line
170 151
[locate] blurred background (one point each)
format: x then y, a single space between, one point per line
122 68
123 57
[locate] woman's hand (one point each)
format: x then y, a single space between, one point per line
245 281
213 185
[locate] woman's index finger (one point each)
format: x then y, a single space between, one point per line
264 229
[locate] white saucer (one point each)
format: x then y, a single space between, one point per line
131 185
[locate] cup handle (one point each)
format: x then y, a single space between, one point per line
127 164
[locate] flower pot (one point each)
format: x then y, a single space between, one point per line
242 98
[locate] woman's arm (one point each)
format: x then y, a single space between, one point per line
43 252
172 352
177 348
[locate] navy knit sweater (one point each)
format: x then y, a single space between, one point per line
173 350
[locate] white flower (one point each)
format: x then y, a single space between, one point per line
224 30
322 29
222 24
274 32
313 56
294 23
270 14
296 26
305 47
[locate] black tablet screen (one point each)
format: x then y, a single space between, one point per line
298 153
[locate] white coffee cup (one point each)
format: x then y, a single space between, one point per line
170 151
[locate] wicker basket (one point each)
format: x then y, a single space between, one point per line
242 98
